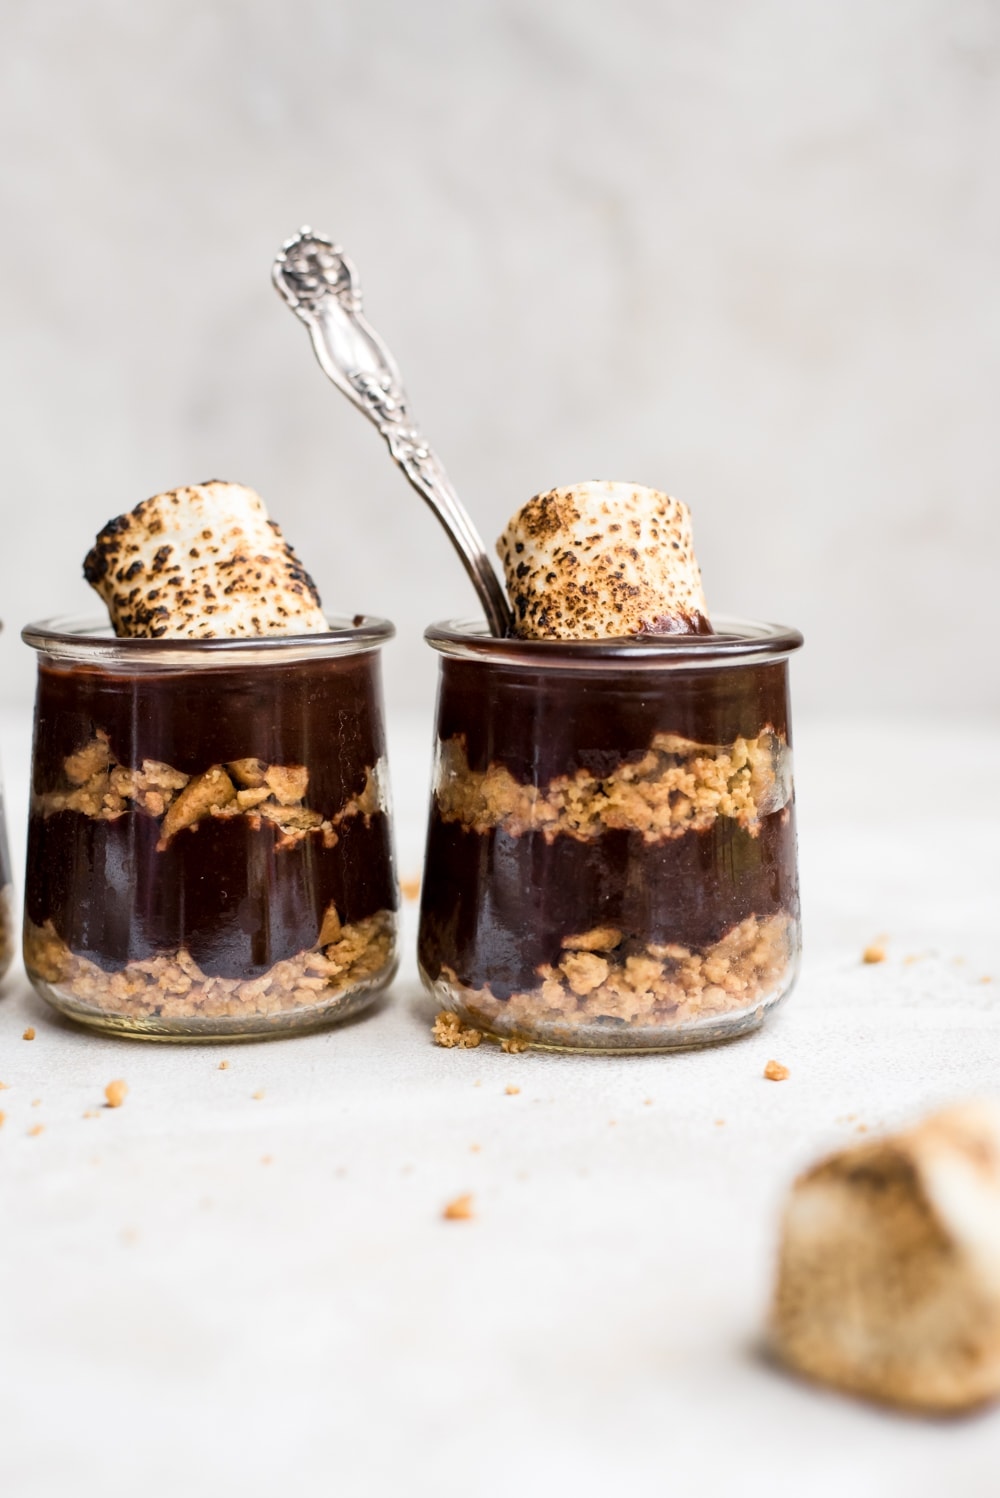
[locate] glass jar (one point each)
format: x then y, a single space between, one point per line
611 858
6 897
209 844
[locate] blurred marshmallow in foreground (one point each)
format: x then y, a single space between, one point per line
202 562
602 560
889 1270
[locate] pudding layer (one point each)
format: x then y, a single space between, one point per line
220 814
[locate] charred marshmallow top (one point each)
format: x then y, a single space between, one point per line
202 562
602 560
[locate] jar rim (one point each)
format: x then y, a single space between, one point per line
735 641
81 638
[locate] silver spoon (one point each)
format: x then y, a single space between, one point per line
321 286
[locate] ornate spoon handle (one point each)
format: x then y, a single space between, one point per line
321 286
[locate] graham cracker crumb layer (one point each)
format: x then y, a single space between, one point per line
97 786
171 986
617 993
676 787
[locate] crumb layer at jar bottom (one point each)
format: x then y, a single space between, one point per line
671 998
168 997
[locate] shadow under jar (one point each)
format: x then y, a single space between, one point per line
611 857
209 845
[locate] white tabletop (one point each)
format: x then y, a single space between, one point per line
206 1291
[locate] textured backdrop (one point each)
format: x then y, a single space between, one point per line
743 250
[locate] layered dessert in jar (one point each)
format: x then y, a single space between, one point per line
6 899
611 860
209 846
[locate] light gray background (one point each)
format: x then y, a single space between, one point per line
743 250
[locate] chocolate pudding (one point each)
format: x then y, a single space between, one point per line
611 857
209 847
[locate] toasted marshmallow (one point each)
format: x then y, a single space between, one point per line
202 562
889 1271
601 560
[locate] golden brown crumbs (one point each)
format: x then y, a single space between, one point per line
97 786
720 1123
775 1072
35 1130
511 1090
171 986
115 1093
257 1095
657 986
409 888
449 1031
873 953
29 1033
861 1129
459 1210
513 1045
267 1159
986 978
36 1102
91 1113
223 1065
3 1118
4 1086
475 1148
678 786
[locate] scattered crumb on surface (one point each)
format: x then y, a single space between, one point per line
116 1093
874 953
409 888
257 1095
459 1210
719 1122
513 1045
647 1102
5 1085
986 978
223 1065
91 1113
449 1031
861 1129
267 1159
3 1118
36 1129
475 1148
775 1072
511 1090
29 1033
36 1102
